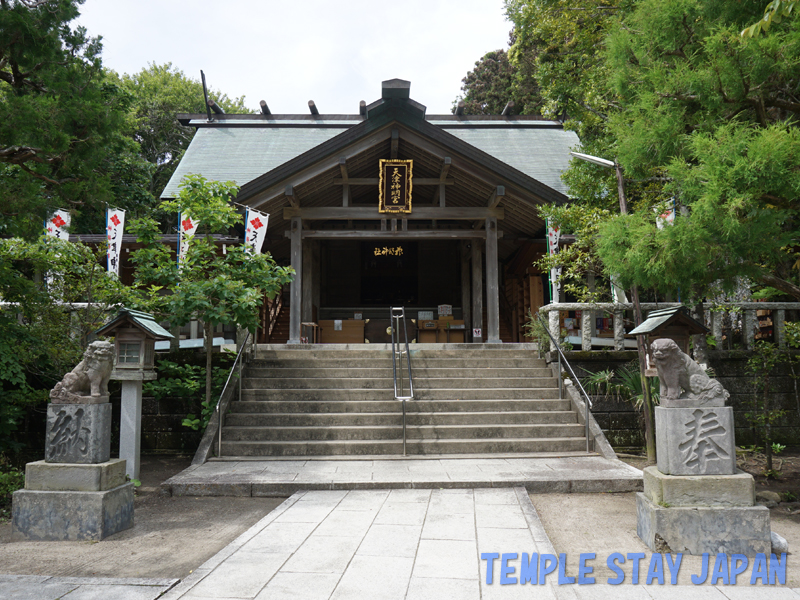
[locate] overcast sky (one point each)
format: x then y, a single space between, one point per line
287 53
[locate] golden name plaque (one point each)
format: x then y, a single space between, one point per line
394 191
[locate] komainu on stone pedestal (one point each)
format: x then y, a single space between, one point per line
87 383
696 501
684 383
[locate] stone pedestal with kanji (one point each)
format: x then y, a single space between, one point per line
77 492
696 501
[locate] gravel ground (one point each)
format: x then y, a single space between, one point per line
170 537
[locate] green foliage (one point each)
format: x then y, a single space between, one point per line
624 384
693 112
60 115
773 13
763 415
40 338
777 448
494 81
185 380
159 93
534 328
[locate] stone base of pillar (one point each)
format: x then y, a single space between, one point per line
71 516
700 530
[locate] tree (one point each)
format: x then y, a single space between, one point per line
713 118
41 337
495 81
58 114
159 93
210 286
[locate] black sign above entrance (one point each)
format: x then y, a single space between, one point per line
394 190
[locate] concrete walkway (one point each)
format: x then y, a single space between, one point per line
32 587
405 545
282 477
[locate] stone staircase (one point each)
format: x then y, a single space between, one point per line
339 400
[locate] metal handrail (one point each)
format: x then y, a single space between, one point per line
577 381
395 314
224 388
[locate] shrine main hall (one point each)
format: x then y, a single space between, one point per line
393 207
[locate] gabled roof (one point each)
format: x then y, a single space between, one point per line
258 150
143 320
659 319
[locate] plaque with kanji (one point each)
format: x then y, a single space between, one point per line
394 194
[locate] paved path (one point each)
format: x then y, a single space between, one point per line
542 474
32 587
404 545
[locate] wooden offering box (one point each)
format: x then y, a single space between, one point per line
445 330
350 331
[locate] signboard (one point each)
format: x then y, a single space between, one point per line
394 191
445 309
425 315
476 333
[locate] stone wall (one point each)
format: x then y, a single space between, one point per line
624 427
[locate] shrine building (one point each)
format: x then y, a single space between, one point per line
393 207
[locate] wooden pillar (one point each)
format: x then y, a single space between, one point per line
316 278
492 284
465 303
296 289
308 279
477 290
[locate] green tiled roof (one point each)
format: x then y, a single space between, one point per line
144 320
243 151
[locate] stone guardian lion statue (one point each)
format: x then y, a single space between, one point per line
89 379
684 383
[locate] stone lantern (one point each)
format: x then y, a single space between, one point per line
135 334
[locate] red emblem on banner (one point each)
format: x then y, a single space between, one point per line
58 221
257 223
187 225
115 220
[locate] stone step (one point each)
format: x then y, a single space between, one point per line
395 447
395 431
386 363
379 352
386 393
393 406
420 383
346 371
355 419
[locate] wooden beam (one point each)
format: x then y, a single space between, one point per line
442 178
395 142
289 193
313 107
346 186
497 195
361 234
492 335
376 181
460 108
264 108
336 213
362 108
296 287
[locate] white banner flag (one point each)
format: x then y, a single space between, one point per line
188 227
667 217
553 235
255 230
115 225
56 225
